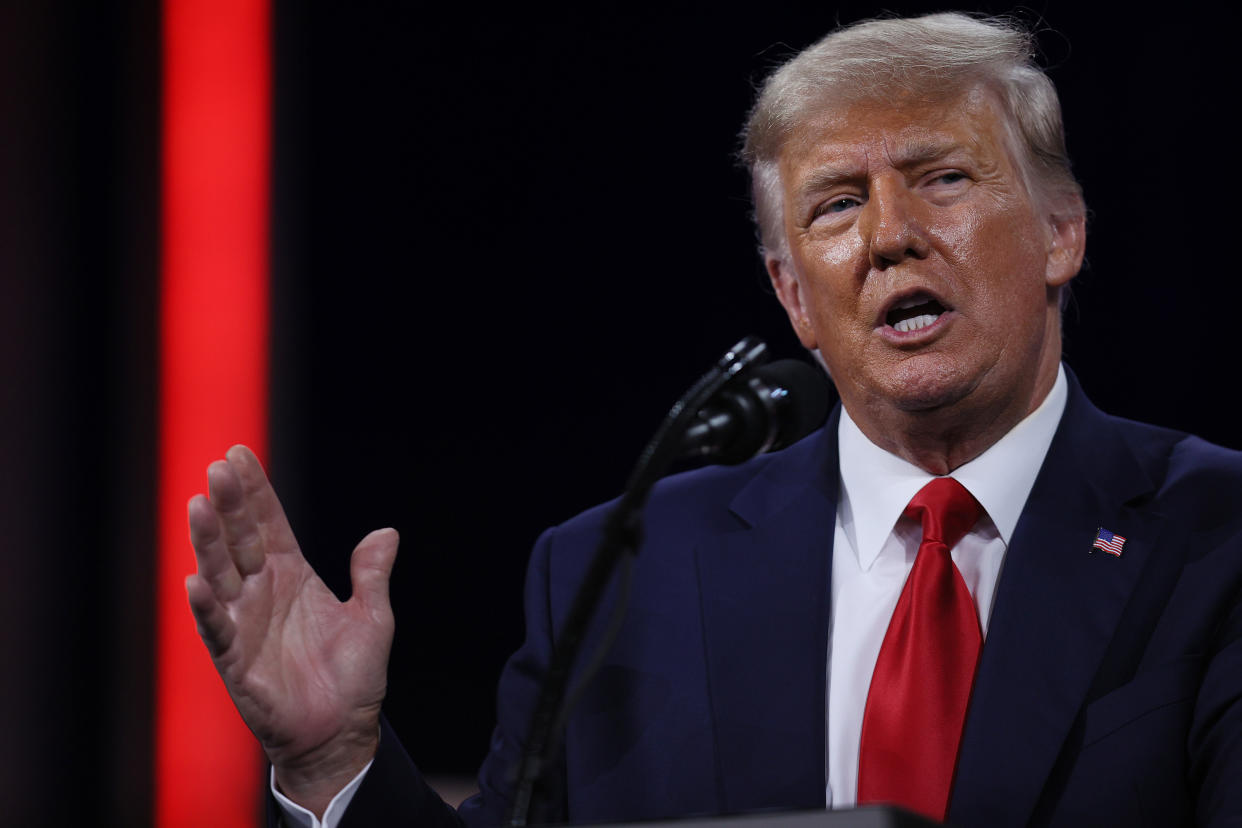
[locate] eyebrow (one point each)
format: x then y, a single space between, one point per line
908 154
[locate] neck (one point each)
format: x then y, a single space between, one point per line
942 439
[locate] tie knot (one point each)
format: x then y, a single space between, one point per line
946 510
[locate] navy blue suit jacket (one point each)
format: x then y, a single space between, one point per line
1109 690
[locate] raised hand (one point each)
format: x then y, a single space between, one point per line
306 671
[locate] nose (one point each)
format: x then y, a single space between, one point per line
890 224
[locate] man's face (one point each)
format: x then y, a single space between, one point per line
918 263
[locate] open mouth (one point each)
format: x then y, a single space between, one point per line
914 313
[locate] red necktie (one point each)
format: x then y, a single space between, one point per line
916 706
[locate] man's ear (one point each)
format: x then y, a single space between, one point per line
789 290
1066 245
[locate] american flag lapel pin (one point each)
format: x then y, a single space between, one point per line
1109 542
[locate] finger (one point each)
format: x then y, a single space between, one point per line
241 532
261 501
215 626
371 567
215 564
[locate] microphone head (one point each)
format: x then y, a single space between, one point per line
801 396
763 408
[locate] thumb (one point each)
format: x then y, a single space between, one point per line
371 566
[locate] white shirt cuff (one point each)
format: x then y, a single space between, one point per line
298 817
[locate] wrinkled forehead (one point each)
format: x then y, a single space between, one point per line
912 111
903 127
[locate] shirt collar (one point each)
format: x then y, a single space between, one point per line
877 485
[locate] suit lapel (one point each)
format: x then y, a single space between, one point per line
765 596
1057 606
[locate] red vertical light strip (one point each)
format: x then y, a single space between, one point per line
214 370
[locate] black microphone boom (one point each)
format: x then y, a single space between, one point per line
738 410
765 409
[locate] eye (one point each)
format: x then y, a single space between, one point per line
836 205
948 178
945 186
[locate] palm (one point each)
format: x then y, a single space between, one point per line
306 671
300 677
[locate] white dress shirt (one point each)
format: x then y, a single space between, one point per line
875 546
873 552
298 817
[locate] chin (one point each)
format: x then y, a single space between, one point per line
926 388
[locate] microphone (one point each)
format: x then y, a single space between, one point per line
765 409
733 412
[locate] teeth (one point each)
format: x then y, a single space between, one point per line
916 323
909 303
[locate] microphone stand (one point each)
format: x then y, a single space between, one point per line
622 535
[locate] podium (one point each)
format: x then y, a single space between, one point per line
868 816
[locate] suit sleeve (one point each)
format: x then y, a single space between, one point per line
515 703
1215 739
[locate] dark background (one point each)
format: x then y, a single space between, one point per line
505 241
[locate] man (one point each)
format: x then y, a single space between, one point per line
919 222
